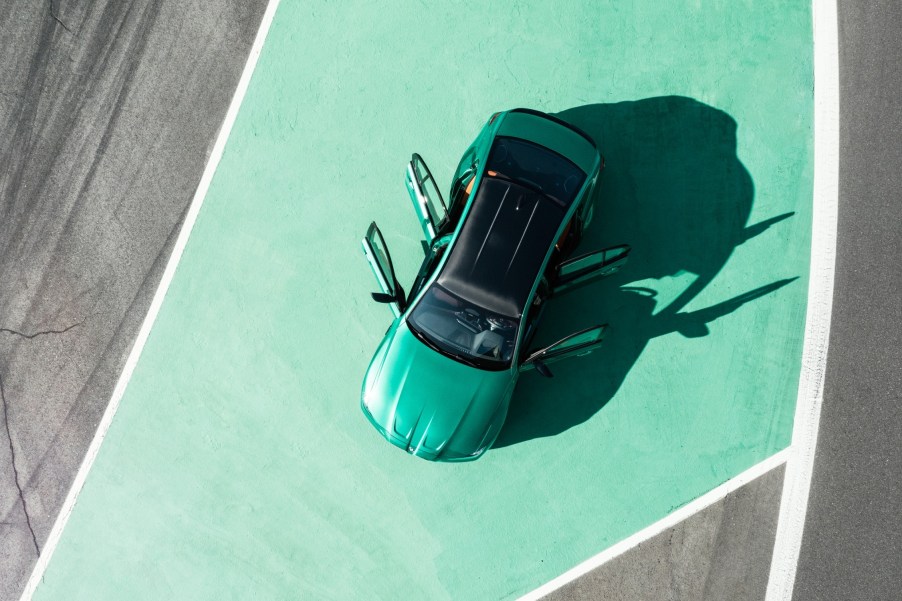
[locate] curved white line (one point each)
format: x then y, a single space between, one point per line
799 467
216 154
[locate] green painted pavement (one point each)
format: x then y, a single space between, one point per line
239 465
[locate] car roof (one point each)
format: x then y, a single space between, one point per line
501 246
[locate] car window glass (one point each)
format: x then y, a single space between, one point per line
581 264
381 256
580 339
431 193
461 189
463 330
430 262
536 166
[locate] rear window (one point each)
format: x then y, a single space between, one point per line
537 167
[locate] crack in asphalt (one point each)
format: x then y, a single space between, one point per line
9 436
43 332
12 453
57 19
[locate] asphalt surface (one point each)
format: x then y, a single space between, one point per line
108 112
852 542
722 552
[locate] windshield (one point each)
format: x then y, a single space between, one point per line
534 165
464 331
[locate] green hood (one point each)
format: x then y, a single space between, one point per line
430 405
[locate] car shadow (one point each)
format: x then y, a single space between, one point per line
675 190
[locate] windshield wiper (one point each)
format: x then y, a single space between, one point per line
463 359
422 337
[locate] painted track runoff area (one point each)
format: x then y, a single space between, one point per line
237 453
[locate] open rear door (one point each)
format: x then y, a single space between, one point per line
582 269
380 261
426 197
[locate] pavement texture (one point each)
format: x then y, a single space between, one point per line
239 464
852 543
108 111
720 553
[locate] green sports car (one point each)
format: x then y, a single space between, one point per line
440 383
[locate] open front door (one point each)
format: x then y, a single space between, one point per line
380 261
580 270
426 197
575 345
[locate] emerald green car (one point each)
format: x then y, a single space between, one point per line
441 380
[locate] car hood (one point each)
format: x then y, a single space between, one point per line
431 405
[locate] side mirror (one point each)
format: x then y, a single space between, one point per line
384 297
542 369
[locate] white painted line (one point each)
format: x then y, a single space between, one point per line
132 360
800 465
668 522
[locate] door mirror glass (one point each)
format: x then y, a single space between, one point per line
426 197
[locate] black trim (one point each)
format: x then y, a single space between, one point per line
559 121
535 355
529 186
414 159
399 290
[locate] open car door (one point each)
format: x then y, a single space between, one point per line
582 269
575 345
426 197
380 261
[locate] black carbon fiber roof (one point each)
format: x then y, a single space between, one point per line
501 246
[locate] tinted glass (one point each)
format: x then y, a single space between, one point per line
583 264
536 166
434 202
580 339
382 258
572 343
464 331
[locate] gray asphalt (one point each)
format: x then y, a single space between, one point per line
719 554
108 111
852 542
